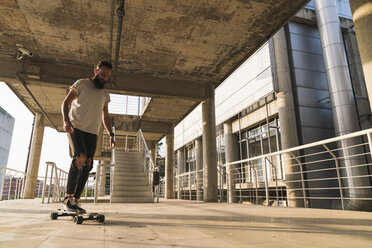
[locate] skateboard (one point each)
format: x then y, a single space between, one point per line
78 218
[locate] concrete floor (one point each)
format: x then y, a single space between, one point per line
173 223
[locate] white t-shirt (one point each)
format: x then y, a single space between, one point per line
86 110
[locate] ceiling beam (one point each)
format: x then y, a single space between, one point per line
123 123
64 75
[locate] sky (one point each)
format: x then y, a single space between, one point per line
55 144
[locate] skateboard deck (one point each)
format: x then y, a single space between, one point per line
78 218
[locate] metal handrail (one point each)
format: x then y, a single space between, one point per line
57 179
318 143
351 153
20 182
98 179
187 178
337 170
149 170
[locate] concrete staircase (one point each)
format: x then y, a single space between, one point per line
130 184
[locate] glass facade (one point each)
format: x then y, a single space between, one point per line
253 142
190 157
6 132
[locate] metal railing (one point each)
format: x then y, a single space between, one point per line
333 173
12 183
189 185
149 166
137 143
53 184
161 188
52 187
101 189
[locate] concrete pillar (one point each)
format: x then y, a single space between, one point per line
199 167
34 159
362 17
169 165
341 94
102 179
180 170
153 148
287 116
98 152
231 151
342 100
210 187
357 78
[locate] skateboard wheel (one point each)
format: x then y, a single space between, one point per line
78 219
53 216
91 217
101 218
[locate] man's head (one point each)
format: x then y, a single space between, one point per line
101 74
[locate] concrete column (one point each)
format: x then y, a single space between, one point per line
98 152
362 17
342 101
180 169
231 151
34 159
357 79
169 165
102 179
199 166
287 116
210 187
153 148
341 94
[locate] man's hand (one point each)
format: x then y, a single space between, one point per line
67 126
112 142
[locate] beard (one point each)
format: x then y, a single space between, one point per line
98 83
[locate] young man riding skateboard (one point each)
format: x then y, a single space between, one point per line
83 109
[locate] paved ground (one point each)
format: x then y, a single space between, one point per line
26 223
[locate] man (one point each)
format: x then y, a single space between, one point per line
83 109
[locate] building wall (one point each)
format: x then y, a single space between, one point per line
249 83
6 132
253 80
246 93
312 102
343 8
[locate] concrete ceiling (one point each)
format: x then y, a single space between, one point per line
174 51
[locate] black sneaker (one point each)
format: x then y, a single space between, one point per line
80 209
70 205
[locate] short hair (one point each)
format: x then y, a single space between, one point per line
104 63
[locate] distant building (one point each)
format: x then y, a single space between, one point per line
6 132
12 188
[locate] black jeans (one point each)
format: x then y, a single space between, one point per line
83 143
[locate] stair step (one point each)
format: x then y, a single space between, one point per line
129 166
121 164
130 183
125 157
134 169
130 173
132 199
126 193
130 176
132 188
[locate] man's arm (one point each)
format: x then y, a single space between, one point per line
107 123
71 95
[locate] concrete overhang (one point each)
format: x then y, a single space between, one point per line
174 52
